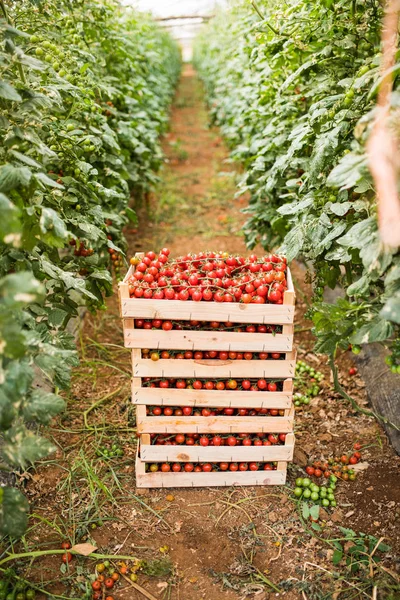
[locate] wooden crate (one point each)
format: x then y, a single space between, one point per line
235 312
138 339
152 453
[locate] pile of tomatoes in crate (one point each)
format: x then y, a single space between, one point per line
228 411
252 385
209 276
213 354
166 325
189 467
196 439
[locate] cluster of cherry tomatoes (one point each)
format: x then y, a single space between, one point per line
189 411
214 354
80 248
196 439
252 385
339 466
206 326
209 276
210 467
106 578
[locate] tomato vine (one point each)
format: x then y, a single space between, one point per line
84 93
293 87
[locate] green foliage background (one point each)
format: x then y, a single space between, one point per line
84 93
293 86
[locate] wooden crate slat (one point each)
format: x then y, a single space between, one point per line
225 479
211 369
235 312
207 340
215 424
217 479
223 398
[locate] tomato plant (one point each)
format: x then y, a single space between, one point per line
293 86
84 93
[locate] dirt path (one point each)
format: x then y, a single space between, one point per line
223 544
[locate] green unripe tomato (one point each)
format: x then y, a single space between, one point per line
364 69
46 44
30 594
92 148
34 39
70 126
314 496
350 93
333 503
39 51
333 478
322 492
77 172
306 482
347 102
297 403
20 596
78 207
62 73
356 349
307 493
330 497
389 360
393 369
56 66
325 502
306 400
299 482
331 114
48 58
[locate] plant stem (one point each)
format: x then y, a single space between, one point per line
38 553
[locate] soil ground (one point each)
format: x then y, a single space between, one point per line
225 543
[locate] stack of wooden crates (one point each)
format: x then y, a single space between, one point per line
138 339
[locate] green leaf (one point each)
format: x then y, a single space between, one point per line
314 511
14 511
26 159
359 287
293 242
20 289
42 407
337 556
131 215
21 447
305 511
8 92
349 171
46 180
9 221
12 177
391 309
376 330
295 207
50 221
